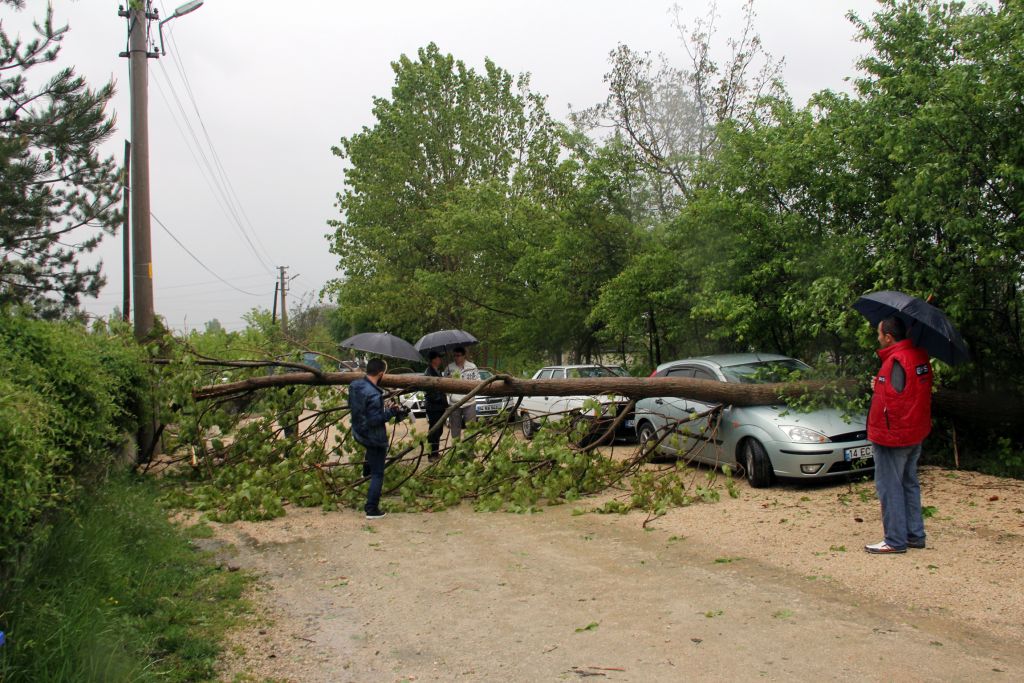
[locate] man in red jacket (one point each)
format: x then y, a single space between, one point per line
899 420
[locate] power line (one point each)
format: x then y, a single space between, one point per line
223 180
202 171
180 65
169 301
211 282
217 186
196 258
115 296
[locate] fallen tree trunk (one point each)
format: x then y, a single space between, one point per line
992 409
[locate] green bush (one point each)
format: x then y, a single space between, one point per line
67 395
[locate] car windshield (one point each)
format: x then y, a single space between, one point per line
486 374
766 372
589 371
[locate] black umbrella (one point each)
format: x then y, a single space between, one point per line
444 340
927 326
384 343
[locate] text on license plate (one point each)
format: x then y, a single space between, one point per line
858 453
630 423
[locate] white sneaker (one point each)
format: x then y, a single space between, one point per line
883 548
376 515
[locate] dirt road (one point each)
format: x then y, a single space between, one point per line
773 585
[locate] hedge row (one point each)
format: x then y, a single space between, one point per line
67 395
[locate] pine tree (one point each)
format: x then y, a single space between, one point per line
57 196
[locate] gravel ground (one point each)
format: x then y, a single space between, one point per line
772 585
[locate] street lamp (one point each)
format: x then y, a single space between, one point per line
179 12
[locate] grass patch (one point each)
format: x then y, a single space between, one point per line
117 593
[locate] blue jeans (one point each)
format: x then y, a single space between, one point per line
899 491
373 467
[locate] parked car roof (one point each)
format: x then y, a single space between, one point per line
577 371
578 365
724 360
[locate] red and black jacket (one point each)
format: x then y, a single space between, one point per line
901 418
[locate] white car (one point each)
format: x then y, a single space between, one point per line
536 409
486 406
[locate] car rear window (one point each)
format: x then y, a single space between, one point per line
766 372
590 371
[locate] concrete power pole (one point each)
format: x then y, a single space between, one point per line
139 15
126 286
283 287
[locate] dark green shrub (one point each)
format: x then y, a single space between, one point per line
67 395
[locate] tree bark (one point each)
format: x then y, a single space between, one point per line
983 408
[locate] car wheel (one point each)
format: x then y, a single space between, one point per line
528 427
757 464
647 436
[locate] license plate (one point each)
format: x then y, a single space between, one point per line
858 453
492 408
631 423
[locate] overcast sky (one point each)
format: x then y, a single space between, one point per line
278 83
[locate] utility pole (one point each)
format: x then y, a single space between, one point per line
126 286
139 15
283 288
273 316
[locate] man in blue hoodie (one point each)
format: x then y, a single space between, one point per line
369 415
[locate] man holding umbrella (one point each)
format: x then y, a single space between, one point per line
899 420
436 403
910 331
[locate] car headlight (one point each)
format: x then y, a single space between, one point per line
800 434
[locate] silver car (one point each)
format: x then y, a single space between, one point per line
768 441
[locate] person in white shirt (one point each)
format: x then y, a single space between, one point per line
462 368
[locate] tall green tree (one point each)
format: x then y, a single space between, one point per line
936 136
912 183
55 189
446 129
667 115
668 118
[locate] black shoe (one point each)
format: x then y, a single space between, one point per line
916 544
376 514
433 458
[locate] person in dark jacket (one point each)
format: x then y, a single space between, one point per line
369 415
899 420
436 402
